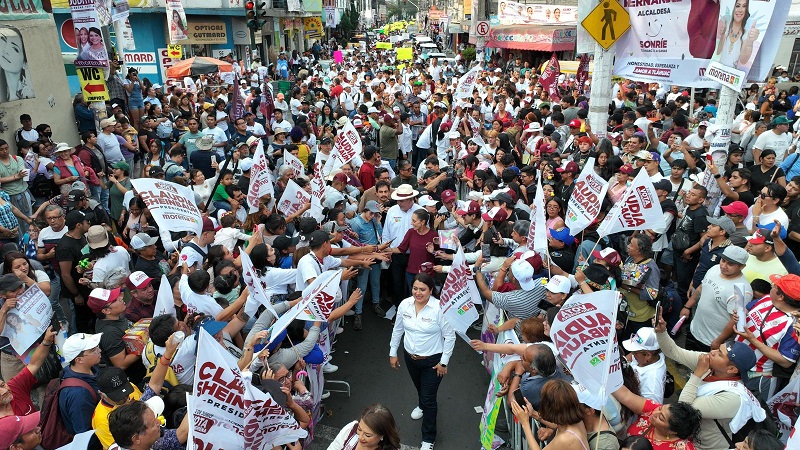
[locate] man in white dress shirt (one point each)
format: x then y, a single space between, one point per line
398 222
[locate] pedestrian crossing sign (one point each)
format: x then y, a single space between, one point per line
607 22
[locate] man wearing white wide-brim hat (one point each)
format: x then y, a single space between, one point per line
397 223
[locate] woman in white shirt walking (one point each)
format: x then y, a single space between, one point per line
428 345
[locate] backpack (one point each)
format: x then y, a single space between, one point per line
42 187
54 433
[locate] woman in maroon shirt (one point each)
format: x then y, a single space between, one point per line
415 243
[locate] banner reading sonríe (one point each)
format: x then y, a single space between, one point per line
638 210
171 204
459 295
586 199
581 331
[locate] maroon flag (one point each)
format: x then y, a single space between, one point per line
583 72
549 78
237 103
267 106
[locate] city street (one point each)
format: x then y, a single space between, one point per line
363 360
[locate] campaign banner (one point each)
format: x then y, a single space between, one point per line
319 297
537 233
317 191
784 406
176 18
171 204
583 332
120 10
549 78
255 286
218 405
726 76
346 146
26 322
320 284
467 83
405 54
586 199
293 198
292 161
266 423
88 35
459 295
512 13
673 43
261 182
582 73
493 404
165 302
237 102
639 209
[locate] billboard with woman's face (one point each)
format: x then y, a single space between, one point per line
15 76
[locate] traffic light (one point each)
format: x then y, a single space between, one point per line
255 10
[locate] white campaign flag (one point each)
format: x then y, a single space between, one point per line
165 302
257 296
467 83
218 405
584 333
320 287
296 165
639 208
426 137
459 295
171 204
537 233
261 182
346 147
266 423
319 297
317 192
586 199
794 436
293 198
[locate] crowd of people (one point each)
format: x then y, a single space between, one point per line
724 253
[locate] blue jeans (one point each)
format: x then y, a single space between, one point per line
23 202
96 192
393 164
104 196
55 296
427 383
410 281
373 277
222 204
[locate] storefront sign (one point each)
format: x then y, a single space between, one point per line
313 27
207 33
165 62
21 10
531 38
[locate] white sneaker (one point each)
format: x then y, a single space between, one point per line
350 313
416 414
339 330
426 446
330 368
326 394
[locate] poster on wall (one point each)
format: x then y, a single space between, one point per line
674 44
511 13
15 77
88 37
176 18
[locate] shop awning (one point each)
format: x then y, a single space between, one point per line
543 38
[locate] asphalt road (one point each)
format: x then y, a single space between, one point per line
363 360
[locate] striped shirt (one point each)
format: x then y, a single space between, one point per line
773 327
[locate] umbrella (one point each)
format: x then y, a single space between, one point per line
198 65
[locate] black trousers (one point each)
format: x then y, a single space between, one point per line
399 284
427 383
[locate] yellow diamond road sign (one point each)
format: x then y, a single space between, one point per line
607 22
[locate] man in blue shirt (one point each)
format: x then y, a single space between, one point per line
368 227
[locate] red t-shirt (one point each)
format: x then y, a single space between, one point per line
417 243
642 427
21 386
366 174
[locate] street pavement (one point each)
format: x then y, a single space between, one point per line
363 360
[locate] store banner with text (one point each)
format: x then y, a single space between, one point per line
583 332
586 199
21 10
171 204
674 42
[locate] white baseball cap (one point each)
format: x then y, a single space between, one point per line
77 343
644 339
559 284
426 200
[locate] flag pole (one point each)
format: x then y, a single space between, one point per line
607 365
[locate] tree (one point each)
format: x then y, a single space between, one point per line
349 22
399 10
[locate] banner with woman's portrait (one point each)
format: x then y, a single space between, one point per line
15 77
176 18
88 35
